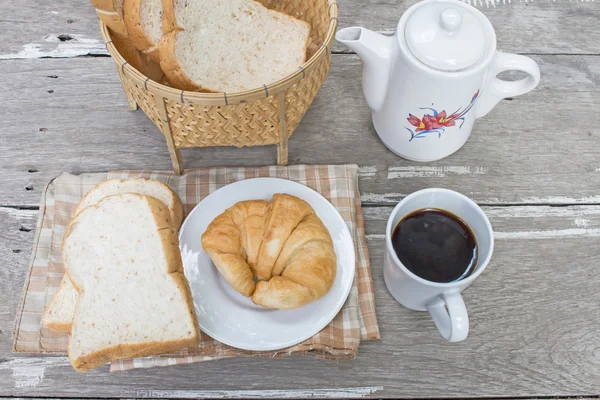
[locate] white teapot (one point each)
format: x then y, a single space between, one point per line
427 84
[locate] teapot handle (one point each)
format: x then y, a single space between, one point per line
496 89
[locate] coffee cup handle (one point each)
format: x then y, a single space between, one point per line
450 316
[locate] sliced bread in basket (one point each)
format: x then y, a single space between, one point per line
122 255
229 45
143 22
58 316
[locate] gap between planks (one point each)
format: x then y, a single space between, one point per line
560 222
86 47
391 199
517 222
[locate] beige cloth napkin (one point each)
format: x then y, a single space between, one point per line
338 183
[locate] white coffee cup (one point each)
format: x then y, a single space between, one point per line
442 300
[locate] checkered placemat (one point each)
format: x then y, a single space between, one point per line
338 183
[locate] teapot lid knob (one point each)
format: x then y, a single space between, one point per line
448 35
450 19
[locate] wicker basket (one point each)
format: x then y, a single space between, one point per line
263 116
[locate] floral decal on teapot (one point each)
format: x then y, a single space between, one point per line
437 122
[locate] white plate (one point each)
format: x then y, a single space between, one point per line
233 319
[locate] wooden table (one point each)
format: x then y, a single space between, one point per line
533 163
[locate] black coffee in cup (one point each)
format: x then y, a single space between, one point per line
435 245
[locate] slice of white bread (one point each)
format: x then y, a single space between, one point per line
143 21
122 256
58 316
149 187
229 45
111 13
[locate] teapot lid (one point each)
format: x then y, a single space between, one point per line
445 36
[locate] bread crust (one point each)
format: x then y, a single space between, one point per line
105 5
132 16
169 240
108 12
113 20
177 214
169 23
123 351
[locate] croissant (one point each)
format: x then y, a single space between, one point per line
279 253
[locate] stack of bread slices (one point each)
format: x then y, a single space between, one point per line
124 293
211 45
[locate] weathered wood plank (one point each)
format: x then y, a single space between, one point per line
540 27
16 238
532 333
91 398
45 398
71 115
35 26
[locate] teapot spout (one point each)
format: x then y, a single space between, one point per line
377 53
